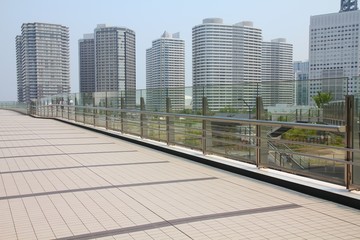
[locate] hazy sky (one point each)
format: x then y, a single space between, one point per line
149 19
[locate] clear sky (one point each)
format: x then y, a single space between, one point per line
149 19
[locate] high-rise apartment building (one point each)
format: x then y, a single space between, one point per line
20 82
334 52
226 64
115 66
87 64
277 79
42 53
301 74
165 73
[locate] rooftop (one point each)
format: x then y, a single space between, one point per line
60 181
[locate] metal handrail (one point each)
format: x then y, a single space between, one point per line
321 127
227 142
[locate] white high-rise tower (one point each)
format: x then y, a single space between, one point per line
226 64
165 73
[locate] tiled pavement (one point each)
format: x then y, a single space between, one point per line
58 181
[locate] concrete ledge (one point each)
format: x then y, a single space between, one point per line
315 188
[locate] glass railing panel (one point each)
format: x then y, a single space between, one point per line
156 98
188 97
236 97
78 111
155 127
85 101
284 101
70 109
19 107
88 116
356 135
232 140
313 153
277 92
140 93
132 123
100 120
99 99
113 100
187 132
114 120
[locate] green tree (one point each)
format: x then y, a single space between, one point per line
322 98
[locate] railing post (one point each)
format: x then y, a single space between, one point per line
68 108
94 109
169 124
122 115
204 122
349 101
106 111
259 116
52 109
142 117
83 108
75 109
62 108
56 107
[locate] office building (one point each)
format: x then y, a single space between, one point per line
277 79
87 64
42 53
334 52
165 73
301 74
226 64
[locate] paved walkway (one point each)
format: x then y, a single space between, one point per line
58 181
